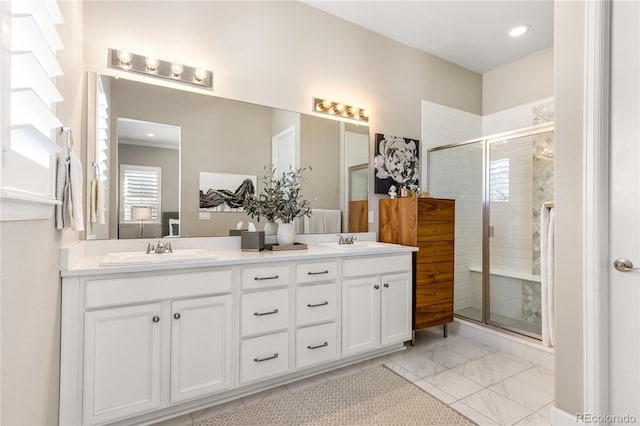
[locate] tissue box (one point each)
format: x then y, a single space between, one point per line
252 241
236 232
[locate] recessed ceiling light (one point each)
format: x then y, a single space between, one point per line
150 135
519 30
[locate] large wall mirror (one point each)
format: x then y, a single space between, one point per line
148 146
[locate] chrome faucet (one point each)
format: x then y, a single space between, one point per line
349 239
159 248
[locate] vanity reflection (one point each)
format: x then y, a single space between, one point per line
216 135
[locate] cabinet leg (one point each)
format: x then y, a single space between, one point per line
445 331
413 338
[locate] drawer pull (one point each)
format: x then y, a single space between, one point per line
309 305
386 285
326 271
376 286
273 277
274 356
177 315
155 318
318 346
259 314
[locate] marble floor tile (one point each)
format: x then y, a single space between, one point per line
342 372
546 411
434 391
372 363
417 364
480 373
472 414
522 393
497 407
470 349
534 420
267 395
454 384
444 356
506 363
184 420
538 377
303 384
227 407
396 368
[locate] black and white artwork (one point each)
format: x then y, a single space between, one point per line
397 163
224 192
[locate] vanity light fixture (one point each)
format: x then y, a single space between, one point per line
149 65
326 106
519 30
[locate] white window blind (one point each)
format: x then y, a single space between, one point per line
499 181
102 136
28 153
140 186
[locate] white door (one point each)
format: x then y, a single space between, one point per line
122 362
283 150
624 287
360 315
395 308
200 347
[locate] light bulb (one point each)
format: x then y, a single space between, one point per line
152 64
124 57
176 70
200 74
519 30
340 108
326 104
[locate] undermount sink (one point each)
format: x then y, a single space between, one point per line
360 245
141 258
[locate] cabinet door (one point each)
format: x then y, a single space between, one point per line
200 347
395 316
360 315
122 362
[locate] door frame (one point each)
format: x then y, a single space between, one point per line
595 208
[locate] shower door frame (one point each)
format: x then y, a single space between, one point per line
486 219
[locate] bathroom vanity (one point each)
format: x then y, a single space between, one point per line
142 342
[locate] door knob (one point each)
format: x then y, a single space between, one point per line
623 265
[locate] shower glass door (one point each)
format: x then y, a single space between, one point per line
455 172
519 180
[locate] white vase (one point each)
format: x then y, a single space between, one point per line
286 234
270 228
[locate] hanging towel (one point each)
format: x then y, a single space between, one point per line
69 192
92 201
332 221
314 224
99 202
547 224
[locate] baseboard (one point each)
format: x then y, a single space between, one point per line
561 418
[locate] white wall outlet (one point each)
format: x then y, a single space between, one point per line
204 215
371 219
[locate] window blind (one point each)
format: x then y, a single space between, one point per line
140 186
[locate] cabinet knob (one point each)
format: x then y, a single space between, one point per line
376 286
386 285
156 318
176 315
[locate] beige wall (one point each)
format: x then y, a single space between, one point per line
521 82
29 277
569 71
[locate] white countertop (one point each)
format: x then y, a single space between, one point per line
84 257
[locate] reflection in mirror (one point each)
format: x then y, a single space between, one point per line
219 135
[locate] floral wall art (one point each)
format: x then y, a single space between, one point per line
397 163
224 192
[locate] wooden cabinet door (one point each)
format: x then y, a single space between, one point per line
122 362
360 315
396 308
200 347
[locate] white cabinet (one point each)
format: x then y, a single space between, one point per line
395 308
122 362
360 314
201 345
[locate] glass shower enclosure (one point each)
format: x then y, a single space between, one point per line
500 184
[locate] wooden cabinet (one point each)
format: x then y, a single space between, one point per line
426 223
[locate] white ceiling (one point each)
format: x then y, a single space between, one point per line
136 132
470 33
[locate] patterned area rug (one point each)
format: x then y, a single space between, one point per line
376 396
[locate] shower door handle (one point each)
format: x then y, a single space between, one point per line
624 265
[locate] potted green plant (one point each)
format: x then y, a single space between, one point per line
281 200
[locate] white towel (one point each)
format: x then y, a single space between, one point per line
92 201
332 221
314 224
100 202
69 192
547 223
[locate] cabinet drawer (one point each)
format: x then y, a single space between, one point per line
264 311
265 277
428 294
436 209
315 272
376 265
435 231
437 272
315 303
435 251
436 314
263 357
316 344
125 290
